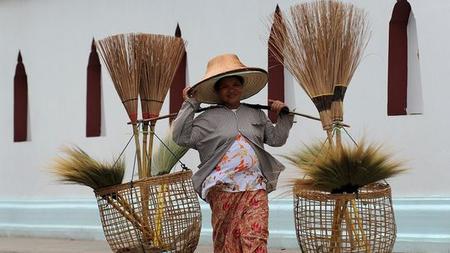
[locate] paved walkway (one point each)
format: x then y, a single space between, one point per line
45 245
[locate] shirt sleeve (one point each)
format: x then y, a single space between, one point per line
276 135
183 124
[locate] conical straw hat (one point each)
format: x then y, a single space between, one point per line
228 65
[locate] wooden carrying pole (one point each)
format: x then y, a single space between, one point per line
258 106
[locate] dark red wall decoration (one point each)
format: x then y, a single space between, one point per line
178 83
398 59
20 102
93 98
275 71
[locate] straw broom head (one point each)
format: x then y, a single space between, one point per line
120 55
77 167
344 170
161 56
305 38
350 44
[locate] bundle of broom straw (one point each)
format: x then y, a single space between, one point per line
161 56
351 41
321 44
145 64
75 166
120 53
142 65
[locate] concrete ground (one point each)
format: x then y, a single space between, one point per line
45 245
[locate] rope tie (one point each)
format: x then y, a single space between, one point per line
183 166
151 100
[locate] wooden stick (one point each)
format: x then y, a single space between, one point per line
341 213
159 216
336 227
350 230
130 216
173 115
150 148
144 145
138 149
360 226
145 215
338 140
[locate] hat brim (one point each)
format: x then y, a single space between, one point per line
254 80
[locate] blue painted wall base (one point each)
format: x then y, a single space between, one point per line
423 223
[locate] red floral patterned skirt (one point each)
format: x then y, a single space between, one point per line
239 221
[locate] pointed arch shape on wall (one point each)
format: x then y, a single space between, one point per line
404 81
93 94
20 101
178 82
275 70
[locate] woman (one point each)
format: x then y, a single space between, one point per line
236 173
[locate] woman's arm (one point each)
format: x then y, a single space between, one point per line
276 135
182 125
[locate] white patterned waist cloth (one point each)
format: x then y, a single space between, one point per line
237 171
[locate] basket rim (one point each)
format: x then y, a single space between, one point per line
175 176
370 191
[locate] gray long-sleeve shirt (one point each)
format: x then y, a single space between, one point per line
213 132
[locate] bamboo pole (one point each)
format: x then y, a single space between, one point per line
150 147
335 240
145 214
360 226
173 115
138 148
130 216
144 146
159 216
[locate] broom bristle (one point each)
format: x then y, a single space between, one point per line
121 56
303 39
161 56
304 43
351 41
77 167
319 44
344 170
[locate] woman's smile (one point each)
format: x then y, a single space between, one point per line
230 91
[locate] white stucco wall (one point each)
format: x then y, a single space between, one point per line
55 36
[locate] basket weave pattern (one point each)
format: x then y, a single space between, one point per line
155 214
362 222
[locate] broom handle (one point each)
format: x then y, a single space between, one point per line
144 145
338 139
360 225
150 148
132 218
138 148
336 226
145 215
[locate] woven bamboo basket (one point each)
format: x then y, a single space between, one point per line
361 222
155 214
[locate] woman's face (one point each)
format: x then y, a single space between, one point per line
230 90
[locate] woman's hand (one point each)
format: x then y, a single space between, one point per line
187 93
276 106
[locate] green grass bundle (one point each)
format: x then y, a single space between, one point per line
166 156
77 167
344 170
